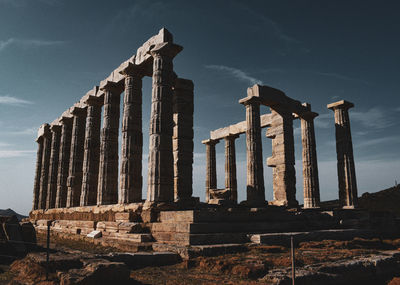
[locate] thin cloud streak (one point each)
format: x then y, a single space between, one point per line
15 153
13 101
235 72
24 43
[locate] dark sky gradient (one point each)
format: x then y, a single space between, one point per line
53 51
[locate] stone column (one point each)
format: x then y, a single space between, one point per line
310 164
230 166
44 176
38 172
74 181
345 161
255 171
161 165
131 179
53 170
211 167
107 191
91 157
282 159
63 162
183 139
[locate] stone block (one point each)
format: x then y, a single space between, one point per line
94 234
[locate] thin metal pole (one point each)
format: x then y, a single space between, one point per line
48 250
293 260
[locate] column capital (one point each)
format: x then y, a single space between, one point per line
166 49
131 69
232 137
250 100
91 100
111 86
210 142
342 104
66 120
55 128
44 130
77 111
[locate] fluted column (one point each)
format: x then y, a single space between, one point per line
310 164
344 150
45 166
107 191
161 167
53 170
255 171
131 179
230 166
38 172
211 166
74 181
63 162
91 157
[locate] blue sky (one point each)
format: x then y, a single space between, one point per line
53 51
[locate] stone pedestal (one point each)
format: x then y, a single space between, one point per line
63 162
160 165
53 169
91 156
345 160
107 192
38 172
255 172
74 181
44 176
230 167
310 164
282 159
131 179
211 167
183 139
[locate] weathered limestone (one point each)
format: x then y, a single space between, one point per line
211 167
63 163
53 168
91 156
255 175
107 192
160 166
74 181
230 166
345 160
131 179
282 159
183 139
38 172
45 166
310 164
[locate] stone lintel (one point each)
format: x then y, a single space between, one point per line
210 141
43 130
342 104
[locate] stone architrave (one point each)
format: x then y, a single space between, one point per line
91 157
282 159
45 167
38 172
131 179
230 166
345 160
183 139
310 164
53 168
74 181
63 161
255 172
107 191
161 165
211 167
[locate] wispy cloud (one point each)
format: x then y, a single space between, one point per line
235 72
375 117
324 121
378 141
25 43
15 153
27 131
14 101
335 76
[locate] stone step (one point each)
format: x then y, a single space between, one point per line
144 259
130 237
200 239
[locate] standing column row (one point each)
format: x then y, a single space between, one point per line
44 172
53 168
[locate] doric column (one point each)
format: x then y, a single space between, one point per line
91 155
344 150
38 172
53 170
45 129
131 179
230 166
310 164
282 159
63 162
211 167
255 172
107 191
183 139
74 181
161 165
